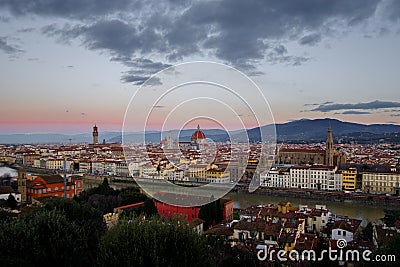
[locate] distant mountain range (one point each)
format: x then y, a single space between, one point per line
304 130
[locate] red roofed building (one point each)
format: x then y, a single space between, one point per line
171 211
53 185
192 210
227 213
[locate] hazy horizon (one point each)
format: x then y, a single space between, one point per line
89 130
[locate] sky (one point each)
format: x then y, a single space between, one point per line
67 65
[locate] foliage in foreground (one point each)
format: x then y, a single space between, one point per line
154 243
62 232
44 238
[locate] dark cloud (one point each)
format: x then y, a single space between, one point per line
355 112
244 34
131 77
82 9
140 70
370 105
316 104
119 38
242 31
135 79
9 49
311 39
141 63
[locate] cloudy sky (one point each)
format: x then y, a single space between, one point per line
66 65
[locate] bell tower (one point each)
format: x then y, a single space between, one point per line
95 135
22 184
329 148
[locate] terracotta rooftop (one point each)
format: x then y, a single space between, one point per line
51 178
220 230
350 225
306 242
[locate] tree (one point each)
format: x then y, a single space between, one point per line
11 202
89 223
131 195
104 188
44 238
104 203
5 215
60 233
153 242
149 208
211 213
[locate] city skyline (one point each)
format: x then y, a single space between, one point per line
67 67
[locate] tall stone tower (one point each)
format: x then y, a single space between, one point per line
95 135
329 148
22 184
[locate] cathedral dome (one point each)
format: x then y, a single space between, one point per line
198 134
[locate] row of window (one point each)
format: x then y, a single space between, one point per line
381 177
44 190
391 184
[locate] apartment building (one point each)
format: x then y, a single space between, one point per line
381 182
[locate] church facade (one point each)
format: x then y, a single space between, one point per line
328 156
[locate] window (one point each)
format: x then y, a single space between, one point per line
344 233
339 232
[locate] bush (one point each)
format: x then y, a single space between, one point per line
153 243
44 238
